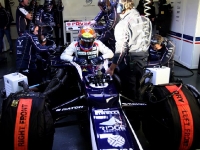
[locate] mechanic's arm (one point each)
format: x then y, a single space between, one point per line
106 52
99 16
112 20
68 52
36 44
27 15
121 45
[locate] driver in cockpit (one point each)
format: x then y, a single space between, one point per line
86 50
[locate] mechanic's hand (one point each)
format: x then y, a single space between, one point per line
52 47
80 61
93 22
110 71
97 60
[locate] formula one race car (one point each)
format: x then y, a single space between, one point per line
169 113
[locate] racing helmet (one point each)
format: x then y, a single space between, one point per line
48 5
86 36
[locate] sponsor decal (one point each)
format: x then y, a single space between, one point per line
111 121
112 125
20 42
91 53
14 102
77 23
134 104
106 112
113 128
84 69
70 108
100 117
116 140
81 53
92 56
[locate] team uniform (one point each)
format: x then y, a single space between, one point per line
46 21
27 47
21 22
131 50
106 31
163 57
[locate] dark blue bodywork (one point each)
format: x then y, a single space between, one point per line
111 129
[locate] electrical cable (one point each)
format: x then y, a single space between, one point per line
182 66
147 28
146 8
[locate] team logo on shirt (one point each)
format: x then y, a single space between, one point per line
20 42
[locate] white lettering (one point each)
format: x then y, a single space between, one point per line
113 128
92 56
102 112
20 42
81 53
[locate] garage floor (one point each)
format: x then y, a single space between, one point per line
70 137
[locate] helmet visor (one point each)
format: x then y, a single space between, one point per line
86 44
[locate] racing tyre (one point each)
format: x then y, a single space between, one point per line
26 122
173 118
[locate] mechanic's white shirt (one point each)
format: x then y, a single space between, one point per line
72 49
130 34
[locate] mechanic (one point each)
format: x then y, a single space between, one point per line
45 19
34 7
164 17
161 52
27 46
5 29
23 17
58 17
131 51
108 11
87 49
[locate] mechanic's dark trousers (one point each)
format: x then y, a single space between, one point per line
33 76
163 27
56 30
130 74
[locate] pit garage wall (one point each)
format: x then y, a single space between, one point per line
81 10
185 32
